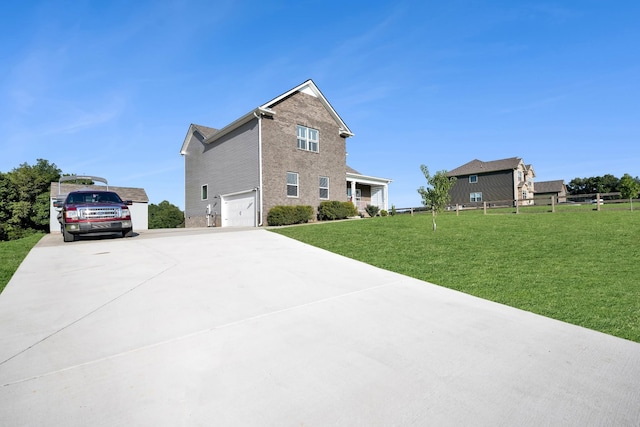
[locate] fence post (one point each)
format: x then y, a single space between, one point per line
484 206
457 209
517 207
598 202
411 211
553 203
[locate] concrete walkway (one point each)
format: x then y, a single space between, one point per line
249 328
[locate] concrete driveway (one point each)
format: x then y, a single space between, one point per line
248 328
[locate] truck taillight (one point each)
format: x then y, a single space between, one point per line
71 214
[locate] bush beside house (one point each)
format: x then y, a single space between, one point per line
288 215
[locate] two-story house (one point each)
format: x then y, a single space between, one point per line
289 151
500 182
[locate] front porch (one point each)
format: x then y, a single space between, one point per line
363 190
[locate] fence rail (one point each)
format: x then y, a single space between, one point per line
541 204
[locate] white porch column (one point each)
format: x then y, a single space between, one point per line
353 193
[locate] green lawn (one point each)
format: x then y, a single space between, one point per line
580 267
11 255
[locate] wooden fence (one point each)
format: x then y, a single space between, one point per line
541 204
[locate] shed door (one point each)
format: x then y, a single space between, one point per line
239 210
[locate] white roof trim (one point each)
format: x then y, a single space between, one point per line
364 179
310 88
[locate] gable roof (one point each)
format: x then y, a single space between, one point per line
308 87
556 186
478 166
125 193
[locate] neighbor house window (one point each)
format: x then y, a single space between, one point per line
473 178
324 187
204 193
292 184
307 139
475 197
524 194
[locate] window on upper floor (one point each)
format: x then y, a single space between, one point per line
475 197
308 138
324 187
473 179
292 184
204 192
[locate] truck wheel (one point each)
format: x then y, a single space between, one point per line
127 232
68 237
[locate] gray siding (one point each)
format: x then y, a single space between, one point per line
494 186
281 155
227 165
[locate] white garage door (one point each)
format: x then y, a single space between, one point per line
239 210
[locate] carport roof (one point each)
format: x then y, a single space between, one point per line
125 193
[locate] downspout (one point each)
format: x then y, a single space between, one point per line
259 189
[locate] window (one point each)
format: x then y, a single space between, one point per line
292 184
473 178
475 197
324 187
204 192
307 139
524 194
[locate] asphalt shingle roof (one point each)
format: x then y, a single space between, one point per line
478 166
549 186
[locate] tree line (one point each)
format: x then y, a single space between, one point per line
603 184
25 202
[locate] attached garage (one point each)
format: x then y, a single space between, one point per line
239 209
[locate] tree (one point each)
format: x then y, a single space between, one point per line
436 196
24 198
629 188
595 184
165 215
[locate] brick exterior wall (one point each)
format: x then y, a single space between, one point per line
280 153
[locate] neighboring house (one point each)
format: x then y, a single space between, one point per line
288 151
557 188
139 209
500 182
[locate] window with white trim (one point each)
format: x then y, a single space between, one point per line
292 184
308 138
204 192
473 179
524 194
475 197
324 187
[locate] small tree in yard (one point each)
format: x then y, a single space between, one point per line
629 188
436 196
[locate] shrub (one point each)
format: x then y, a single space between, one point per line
393 210
287 215
328 211
372 210
384 213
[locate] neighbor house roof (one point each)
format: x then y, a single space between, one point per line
308 87
125 193
478 166
556 186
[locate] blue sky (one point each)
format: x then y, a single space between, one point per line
109 88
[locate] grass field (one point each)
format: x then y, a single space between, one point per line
11 255
580 267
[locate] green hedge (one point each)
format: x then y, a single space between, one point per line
331 210
287 215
